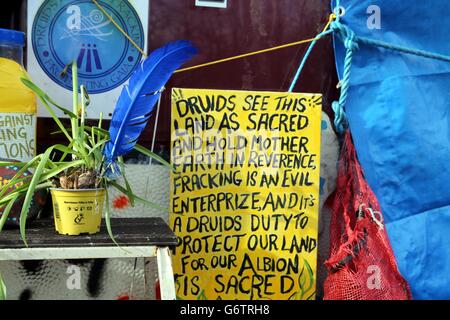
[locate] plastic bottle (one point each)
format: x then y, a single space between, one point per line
17 102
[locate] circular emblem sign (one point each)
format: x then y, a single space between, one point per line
65 30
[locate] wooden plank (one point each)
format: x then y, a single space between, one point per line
165 274
128 232
52 253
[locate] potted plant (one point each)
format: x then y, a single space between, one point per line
91 161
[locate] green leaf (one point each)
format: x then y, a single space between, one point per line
74 121
18 182
60 168
310 275
305 293
30 192
97 145
23 190
88 160
296 296
127 185
85 95
302 278
5 200
306 279
6 211
13 180
42 95
202 296
8 164
50 110
70 147
2 288
84 102
68 150
150 154
108 218
98 130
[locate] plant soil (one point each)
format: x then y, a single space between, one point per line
79 179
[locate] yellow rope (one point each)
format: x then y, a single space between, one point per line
119 28
331 18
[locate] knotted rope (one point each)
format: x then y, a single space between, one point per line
351 43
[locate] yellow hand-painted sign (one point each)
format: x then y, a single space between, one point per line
244 194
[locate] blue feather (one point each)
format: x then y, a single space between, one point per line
139 97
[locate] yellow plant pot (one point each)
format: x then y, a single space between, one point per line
77 211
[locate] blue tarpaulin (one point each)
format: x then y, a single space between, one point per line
398 111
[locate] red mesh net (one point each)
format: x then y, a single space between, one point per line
361 264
